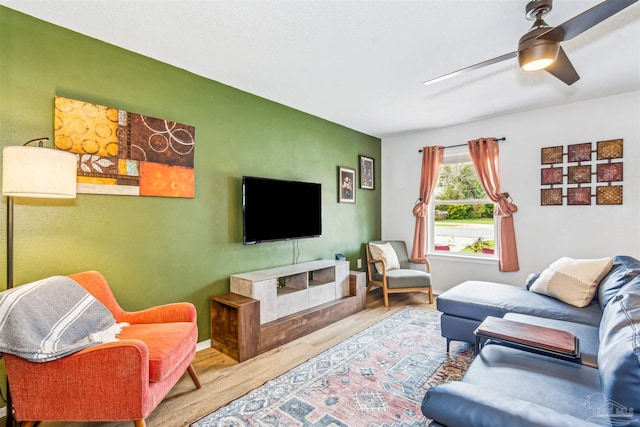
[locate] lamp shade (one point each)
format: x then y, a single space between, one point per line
38 172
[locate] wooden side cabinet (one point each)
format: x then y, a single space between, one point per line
235 325
358 287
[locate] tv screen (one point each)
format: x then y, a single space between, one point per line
275 209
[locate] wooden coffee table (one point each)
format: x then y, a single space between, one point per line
553 342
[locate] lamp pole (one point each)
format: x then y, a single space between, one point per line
9 419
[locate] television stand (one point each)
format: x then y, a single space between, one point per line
293 288
236 329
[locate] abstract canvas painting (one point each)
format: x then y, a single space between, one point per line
125 153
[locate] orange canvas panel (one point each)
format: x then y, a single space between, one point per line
167 181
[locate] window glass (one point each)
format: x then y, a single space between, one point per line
462 220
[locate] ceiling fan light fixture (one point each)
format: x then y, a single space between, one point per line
538 56
539 48
537 64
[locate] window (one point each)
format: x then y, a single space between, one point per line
461 219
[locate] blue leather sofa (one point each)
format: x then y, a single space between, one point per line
506 386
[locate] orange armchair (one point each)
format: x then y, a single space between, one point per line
117 381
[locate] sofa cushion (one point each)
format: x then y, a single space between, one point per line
385 252
168 344
624 269
573 281
553 383
619 354
477 300
457 403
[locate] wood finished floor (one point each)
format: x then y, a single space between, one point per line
223 379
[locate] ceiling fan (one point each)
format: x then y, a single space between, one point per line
539 48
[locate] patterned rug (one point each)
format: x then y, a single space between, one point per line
377 377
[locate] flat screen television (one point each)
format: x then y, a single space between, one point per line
276 209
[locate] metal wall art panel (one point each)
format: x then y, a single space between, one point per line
582 163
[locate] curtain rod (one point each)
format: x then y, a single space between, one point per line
464 145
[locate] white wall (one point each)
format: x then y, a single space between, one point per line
543 233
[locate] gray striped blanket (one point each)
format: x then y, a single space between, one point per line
52 318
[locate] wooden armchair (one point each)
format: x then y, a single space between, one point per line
116 381
389 267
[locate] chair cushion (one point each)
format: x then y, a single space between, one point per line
168 344
573 281
407 278
385 252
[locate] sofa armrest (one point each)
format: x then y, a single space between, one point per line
174 312
456 403
108 380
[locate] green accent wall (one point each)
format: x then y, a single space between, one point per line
159 250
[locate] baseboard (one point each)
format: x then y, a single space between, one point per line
3 412
203 345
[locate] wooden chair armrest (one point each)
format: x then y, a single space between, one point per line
381 261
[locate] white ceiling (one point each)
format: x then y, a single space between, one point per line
361 63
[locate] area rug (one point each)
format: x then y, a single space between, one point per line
377 377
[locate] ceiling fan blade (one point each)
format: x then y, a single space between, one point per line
473 67
587 19
563 69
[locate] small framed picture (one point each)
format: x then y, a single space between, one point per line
346 185
367 173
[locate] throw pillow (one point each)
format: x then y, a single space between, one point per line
573 281
385 252
531 279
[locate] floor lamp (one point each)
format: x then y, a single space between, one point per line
33 172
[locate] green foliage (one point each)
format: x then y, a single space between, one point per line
459 181
483 211
455 211
467 211
479 245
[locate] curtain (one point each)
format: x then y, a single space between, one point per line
484 155
431 161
